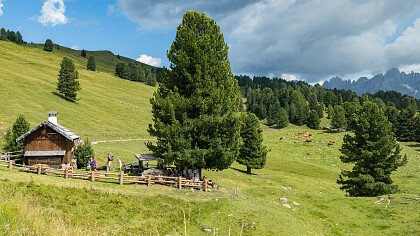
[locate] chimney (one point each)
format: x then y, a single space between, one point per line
52 117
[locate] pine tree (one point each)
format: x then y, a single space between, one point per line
91 65
194 108
319 108
374 152
330 111
252 153
273 112
312 101
3 34
133 72
83 53
11 36
301 106
48 45
313 120
19 39
68 83
283 119
121 70
338 119
20 127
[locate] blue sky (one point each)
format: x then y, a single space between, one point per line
90 25
308 40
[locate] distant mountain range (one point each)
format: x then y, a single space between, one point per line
392 80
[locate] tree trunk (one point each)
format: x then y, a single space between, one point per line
248 170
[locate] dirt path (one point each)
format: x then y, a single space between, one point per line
123 140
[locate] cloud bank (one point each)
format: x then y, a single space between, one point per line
157 62
53 13
310 39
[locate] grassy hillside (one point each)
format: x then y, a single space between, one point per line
109 107
113 109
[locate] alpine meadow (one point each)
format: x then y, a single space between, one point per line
97 143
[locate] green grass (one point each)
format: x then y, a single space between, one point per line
113 109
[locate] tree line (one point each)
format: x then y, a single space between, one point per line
7 35
281 102
134 72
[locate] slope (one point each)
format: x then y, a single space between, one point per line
109 107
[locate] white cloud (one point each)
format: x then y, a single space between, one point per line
157 62
75 47
288 77
53 13
1 7
312 39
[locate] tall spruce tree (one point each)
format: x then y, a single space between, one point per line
19 39
338 119
91 65
68 83
283 119
273 112
252 153
194 108
83 53
313 120
3 34
48 45
301 106
20 127
375 153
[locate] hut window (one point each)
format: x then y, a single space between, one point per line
44 132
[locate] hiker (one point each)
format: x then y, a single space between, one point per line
120 164
108 165
93 164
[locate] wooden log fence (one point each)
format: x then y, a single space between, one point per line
117 178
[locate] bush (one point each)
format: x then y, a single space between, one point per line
82 153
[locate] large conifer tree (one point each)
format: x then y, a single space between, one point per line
194 107
68 83
375 153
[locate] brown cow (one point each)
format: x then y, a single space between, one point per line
331 142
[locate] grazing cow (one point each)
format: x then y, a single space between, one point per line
331 142
307 134
308 141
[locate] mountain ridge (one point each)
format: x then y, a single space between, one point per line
392 80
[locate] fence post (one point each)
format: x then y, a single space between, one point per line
149 180
92 176
180 182
39 169
121 178
66 173
10 164
206 185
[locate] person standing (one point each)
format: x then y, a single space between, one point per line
120 164
108 165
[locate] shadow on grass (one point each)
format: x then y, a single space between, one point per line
239 170
414 145
62 97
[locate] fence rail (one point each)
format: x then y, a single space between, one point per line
118 178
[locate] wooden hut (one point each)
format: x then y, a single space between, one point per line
49 143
